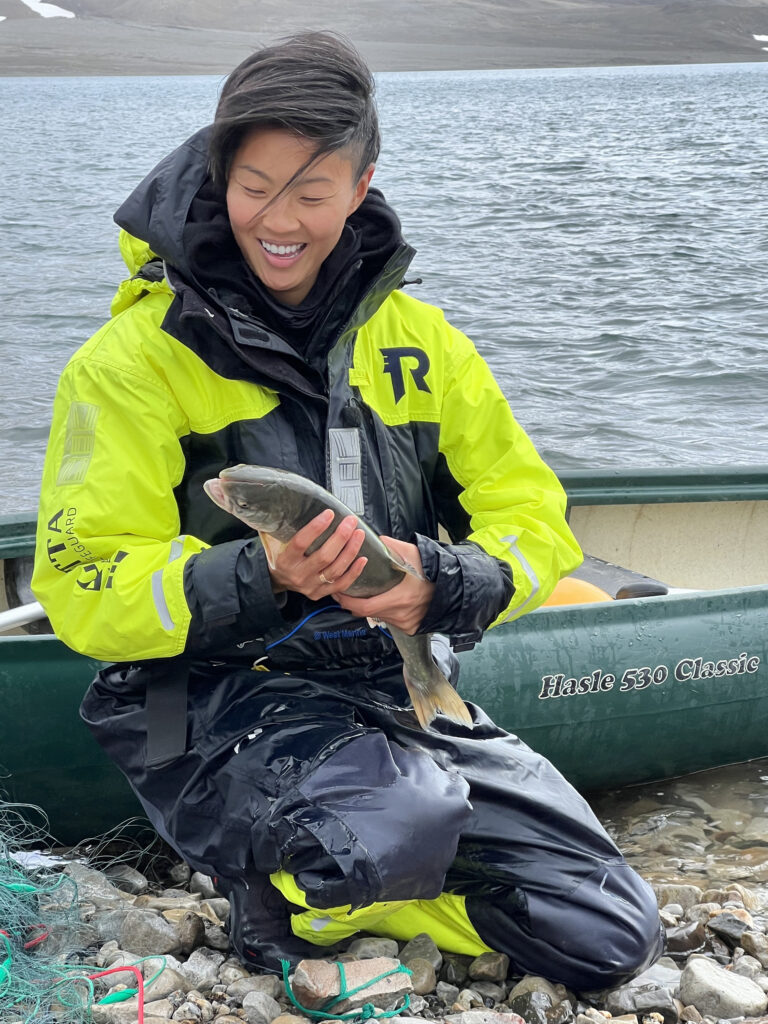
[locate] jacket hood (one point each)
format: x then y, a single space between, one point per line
156 211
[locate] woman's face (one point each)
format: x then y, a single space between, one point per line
286 244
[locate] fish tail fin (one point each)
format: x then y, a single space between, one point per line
439 697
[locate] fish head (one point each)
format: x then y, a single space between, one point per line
250 493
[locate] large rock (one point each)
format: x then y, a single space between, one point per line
373 946
716 992
170 980
533 998
421 947
108 924
686 938
489 967
728 927
423 977
269 984
191 931
147 934
94 887
315 982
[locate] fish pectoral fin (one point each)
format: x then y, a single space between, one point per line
438 696
272 548
400 563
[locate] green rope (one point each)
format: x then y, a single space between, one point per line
366 1012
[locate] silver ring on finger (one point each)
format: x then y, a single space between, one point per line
325 580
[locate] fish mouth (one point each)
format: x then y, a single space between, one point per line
216 492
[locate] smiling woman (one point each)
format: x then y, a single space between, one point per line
264 321
288 208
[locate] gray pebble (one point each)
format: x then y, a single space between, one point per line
202 968
260 1008
203 884
373 946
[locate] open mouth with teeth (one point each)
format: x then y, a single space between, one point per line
282 253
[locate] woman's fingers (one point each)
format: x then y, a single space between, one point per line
334 565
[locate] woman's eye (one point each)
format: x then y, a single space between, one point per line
312 199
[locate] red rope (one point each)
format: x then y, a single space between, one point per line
139 985
44 934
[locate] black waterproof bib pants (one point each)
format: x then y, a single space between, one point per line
330 778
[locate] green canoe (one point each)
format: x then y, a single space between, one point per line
665 673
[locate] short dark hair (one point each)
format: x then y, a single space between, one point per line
314 84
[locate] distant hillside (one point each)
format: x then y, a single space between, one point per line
198 36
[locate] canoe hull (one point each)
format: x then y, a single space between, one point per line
631 691
613 693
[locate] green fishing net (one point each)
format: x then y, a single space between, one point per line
48 948
41 977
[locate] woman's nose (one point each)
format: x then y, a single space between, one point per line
280 216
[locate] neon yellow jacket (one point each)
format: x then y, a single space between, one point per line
135 562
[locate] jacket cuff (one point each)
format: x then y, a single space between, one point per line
472 589
229 592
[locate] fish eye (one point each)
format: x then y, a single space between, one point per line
242 504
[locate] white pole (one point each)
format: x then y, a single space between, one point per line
21 616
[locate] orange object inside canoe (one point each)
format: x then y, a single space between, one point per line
573 591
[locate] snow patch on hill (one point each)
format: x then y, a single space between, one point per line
46 10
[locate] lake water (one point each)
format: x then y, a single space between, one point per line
600 234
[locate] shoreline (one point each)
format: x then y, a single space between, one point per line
469 69
642 36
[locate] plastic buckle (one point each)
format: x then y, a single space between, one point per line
464 641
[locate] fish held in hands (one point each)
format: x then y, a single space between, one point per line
278 504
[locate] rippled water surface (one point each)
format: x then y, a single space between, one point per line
600 234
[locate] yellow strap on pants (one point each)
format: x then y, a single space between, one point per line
444 919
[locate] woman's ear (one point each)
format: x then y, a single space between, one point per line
361 189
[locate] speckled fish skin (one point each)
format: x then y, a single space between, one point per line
278 504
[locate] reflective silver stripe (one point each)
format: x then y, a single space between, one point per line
160 603
163 611
346 467
79 442
177 549
528 570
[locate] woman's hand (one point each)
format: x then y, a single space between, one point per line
405 605
334 566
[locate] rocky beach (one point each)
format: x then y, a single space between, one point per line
702 842
191 37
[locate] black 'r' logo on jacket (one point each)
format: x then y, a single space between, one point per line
393 365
